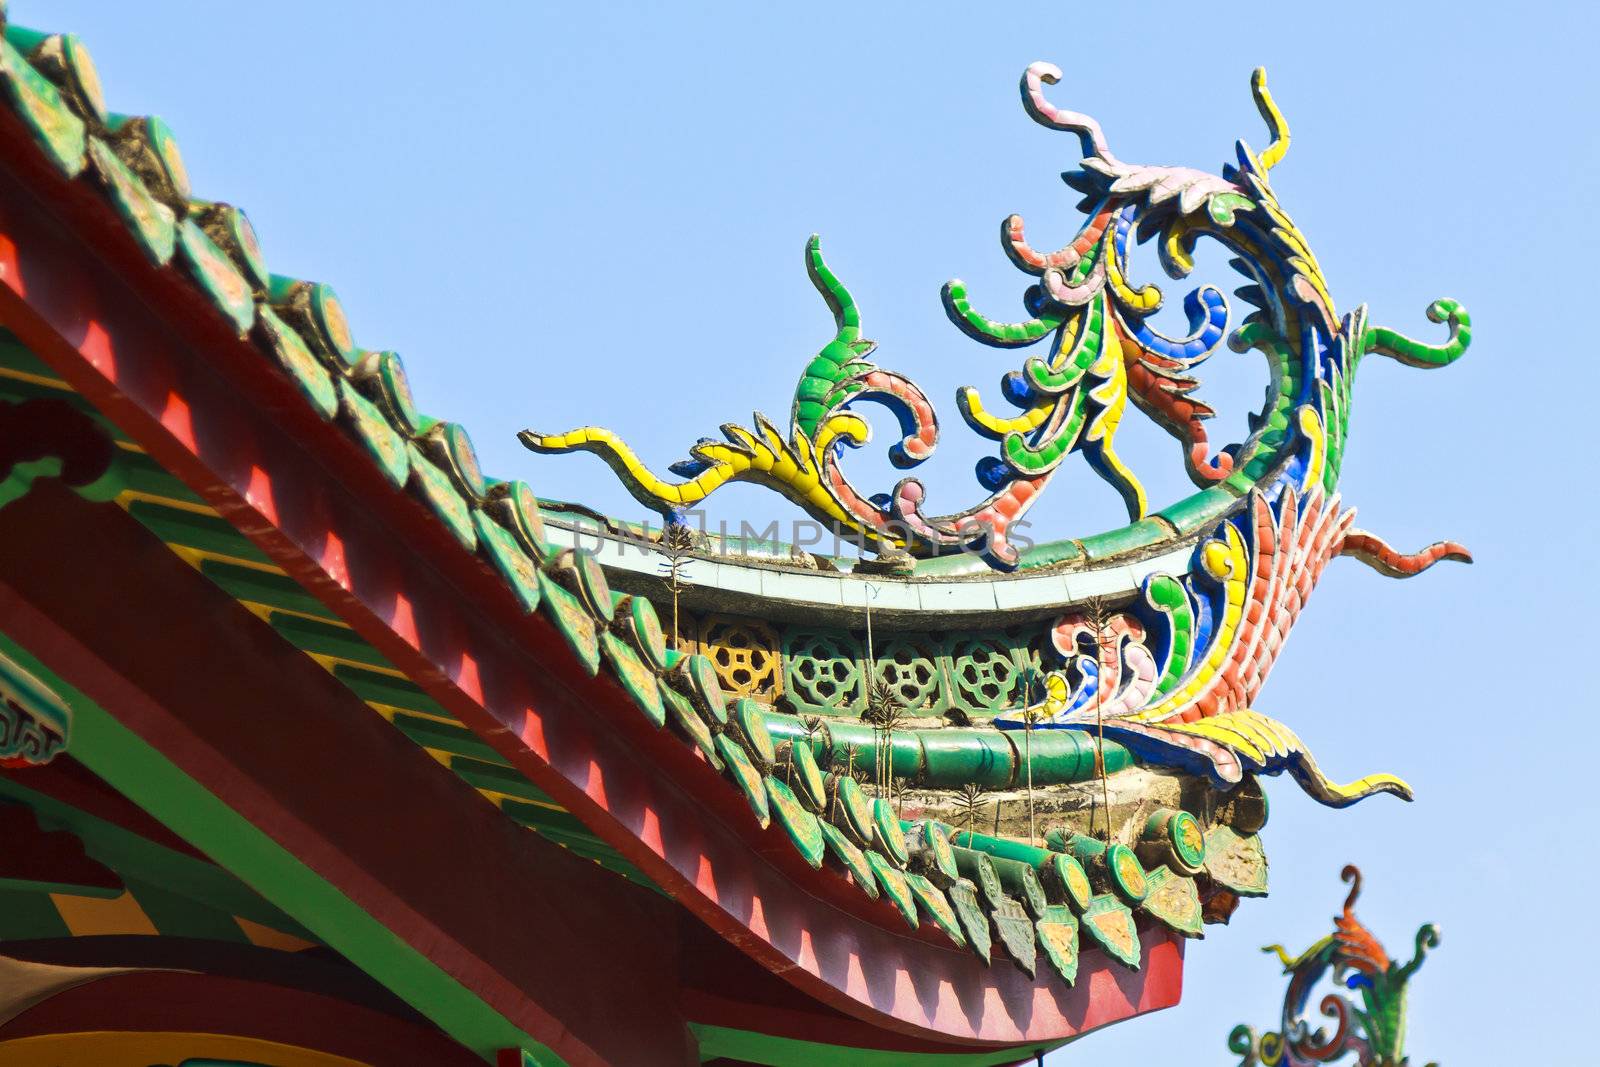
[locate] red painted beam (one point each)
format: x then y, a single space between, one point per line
145 349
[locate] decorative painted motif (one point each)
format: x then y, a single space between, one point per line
1174 677
1058 937
35 723
1375 1031
1102 352
1109 922
744 651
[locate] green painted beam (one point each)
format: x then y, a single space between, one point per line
146 777
138 859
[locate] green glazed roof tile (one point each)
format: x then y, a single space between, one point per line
636 678
1066 881
1174 901
934 853
229 228
449 446
379 438
894 885
643 630
803 828
1236 862
382 376
852 809
221 281
1019 880
517 509
750 721
581 573
800 770
1058 939
58 131
1109 922
851 858
327 312
1127 875
574 623
963 896
151 222
519 572
689 722
746 777
1017 934
291 352
886 832
146 144
696 678
934 905
977 868
64 59
436 490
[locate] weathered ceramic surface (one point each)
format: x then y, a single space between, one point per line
1373 1031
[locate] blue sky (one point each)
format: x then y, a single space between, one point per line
562 214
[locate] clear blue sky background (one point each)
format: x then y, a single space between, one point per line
595 212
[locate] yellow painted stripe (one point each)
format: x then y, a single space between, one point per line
127 496
498 798
267 937
329 662
34 379
93 916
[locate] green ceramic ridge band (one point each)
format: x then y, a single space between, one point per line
951 757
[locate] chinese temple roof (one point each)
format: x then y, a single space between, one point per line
867 726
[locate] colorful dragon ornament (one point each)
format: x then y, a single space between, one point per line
1172 675
1375 1031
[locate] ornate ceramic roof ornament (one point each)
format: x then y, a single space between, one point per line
1375 1031
1174 673
1101 352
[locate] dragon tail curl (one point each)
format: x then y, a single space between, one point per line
832 375
1427 938
1277 125
1377 553
1228 745
846 316
1333 794
1413 353
641 482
